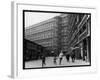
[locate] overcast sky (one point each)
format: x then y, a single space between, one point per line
36 17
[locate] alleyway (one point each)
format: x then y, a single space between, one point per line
50 63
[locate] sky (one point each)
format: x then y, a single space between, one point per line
32 18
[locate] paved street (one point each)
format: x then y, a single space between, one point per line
50 63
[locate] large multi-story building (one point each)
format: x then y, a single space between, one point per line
66 25
80 36
52 33
43 33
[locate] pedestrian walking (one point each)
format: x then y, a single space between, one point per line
43 61
85 55
73 56
54 60
67 57
60 57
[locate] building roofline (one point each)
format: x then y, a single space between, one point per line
41 23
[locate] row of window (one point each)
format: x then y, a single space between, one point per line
43 35
65 19
64 32
49 43
34 31
41 28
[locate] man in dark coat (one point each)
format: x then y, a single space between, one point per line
73 56
43 60
67 57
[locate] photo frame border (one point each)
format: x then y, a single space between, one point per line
51 12
16 70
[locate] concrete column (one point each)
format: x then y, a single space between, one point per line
87 58
81 50
87 41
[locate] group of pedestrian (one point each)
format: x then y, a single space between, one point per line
68 56
59 57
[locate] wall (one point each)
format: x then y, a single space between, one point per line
5 41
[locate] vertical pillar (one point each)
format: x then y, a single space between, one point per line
87 58
87 41
82 50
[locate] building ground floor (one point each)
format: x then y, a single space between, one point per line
49 63
83 50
